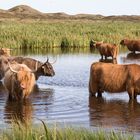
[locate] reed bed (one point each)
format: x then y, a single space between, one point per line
64 34
42 132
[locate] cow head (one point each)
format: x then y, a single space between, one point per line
47 68
123 42
95 44
92 43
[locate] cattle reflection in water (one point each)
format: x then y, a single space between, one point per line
18 111
114 113
23 111
131 57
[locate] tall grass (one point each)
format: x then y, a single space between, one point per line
20 132
46 34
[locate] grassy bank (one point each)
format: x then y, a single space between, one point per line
44 34
20 132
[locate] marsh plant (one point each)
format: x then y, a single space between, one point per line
50 34
43 132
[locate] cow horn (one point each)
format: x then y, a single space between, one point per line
12 68
47 59
94 41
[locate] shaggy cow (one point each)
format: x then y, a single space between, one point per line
106 49
132 45
41 69
18 79
114 78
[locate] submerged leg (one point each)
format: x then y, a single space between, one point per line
135 95
92 89
132 94
10 97
101 57
99 93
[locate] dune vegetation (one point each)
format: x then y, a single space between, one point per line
65 34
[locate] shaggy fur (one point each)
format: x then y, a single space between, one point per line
43 69
132 45
20 83
114 78
107 50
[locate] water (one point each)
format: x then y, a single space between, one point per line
64 98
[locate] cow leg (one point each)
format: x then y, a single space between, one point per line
101 57
91 93
131 93
10 97
105 57
99 93
135 95
92 89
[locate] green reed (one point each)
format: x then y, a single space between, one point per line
65 34
43 132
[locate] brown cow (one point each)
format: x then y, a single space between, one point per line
107 49
42 69
132 45
114 78
18 79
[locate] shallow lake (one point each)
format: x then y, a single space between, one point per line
64 98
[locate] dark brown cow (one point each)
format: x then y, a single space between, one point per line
132 45
42 69
114 78
18 79
107 49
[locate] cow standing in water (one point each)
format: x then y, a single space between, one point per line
19 80
132 45
40 69
114 78
106 49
